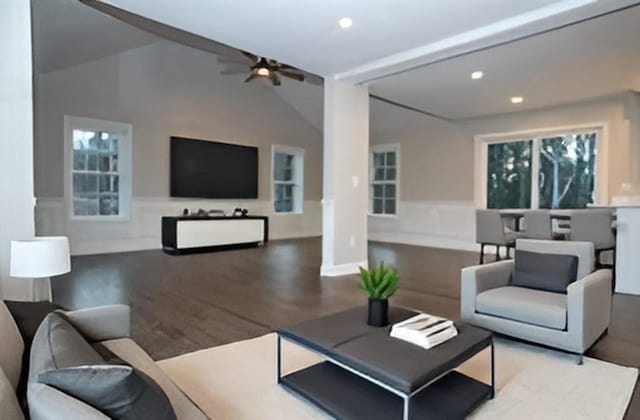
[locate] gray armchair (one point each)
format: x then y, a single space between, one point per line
571 322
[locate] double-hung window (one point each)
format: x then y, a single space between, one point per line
552 170
288 179
383 174
98 168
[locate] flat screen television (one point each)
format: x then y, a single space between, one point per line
207 169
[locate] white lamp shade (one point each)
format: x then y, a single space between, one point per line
44 256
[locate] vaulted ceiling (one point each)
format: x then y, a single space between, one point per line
553 60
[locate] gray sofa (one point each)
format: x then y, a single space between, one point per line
571 321
108 325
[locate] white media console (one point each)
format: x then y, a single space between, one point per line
194 234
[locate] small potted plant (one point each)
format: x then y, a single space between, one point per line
380 283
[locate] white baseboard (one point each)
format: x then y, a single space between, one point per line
342 269
424 240
143 230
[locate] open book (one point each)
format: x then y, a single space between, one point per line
424 330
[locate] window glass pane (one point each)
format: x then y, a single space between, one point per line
390 206
92 161
378 159
509 175
114 163
105 183
379 175
390 191
116 183
79 160
391 174
391 158
378 191
282 170
377 206
105 163
108 205
567 170
79 183
92 183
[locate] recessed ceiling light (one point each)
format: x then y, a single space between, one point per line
477 75
517 99
345 22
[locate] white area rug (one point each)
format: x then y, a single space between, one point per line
237 381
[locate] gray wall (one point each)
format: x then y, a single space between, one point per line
166 89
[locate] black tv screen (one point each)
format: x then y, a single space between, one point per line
207 169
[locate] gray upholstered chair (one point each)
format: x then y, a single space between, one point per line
571 322
538 225
491 230
594 225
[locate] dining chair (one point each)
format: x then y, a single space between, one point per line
594 225
538 225
490 230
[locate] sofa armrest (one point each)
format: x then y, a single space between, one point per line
477 279
102 322
589 307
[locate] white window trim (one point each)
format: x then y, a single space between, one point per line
481 148
298 200
124 165
381 148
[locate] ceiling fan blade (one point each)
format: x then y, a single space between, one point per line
250 77
275 79
292 75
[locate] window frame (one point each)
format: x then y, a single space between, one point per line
125 132
481 151
297 178
384 148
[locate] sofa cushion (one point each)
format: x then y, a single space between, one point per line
28 317
130 352
550 272
9 406
536 307
11 346
119 391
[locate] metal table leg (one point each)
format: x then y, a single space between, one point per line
405 411
493 370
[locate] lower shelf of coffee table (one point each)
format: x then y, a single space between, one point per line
347 396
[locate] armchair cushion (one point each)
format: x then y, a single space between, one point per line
549 272
526 305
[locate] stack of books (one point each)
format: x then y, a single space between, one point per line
424 330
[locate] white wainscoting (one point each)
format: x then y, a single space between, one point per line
142 231
428 223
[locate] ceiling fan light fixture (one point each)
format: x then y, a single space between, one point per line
263 71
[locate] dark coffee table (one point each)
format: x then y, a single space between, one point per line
369 375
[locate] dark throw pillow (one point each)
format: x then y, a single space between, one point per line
65 360
119 391
549 272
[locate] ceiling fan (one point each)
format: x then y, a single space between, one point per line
266 68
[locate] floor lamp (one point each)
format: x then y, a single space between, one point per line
40 258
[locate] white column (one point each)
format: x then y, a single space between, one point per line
345 178
16 141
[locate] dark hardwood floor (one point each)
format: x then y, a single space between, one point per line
185 303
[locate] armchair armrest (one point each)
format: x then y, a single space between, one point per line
477 279
102 322
589 307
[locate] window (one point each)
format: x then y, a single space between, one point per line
98 167
288 175
548 171
384 164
